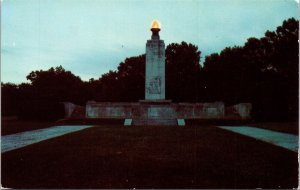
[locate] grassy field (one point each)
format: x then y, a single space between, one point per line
13 125
150 157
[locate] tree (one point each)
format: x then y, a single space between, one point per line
285 61
182 72
131 74
9 99
56 84
264 71
127 84
229 76
41 98
110 86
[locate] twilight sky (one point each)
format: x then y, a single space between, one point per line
91 37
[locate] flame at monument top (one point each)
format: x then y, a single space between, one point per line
155 24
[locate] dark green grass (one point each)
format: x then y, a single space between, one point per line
10 126
150 157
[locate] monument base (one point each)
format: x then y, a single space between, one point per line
149 112
154 122
159 112
155 101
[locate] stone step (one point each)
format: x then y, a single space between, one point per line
143 122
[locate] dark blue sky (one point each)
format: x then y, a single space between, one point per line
91 37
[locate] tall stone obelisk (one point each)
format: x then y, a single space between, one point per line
155 65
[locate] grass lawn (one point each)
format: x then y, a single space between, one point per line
150 157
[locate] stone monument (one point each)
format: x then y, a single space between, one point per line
155 65
154 109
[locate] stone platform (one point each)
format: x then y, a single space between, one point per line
165 112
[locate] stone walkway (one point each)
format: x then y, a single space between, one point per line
284 140
19 140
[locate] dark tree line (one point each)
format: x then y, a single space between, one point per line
264 72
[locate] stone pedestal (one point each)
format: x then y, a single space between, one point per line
165 112
155 68
157 112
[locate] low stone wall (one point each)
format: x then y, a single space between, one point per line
73 110
155 110
69 108
200 110
240 111
243 109
150 112
110 110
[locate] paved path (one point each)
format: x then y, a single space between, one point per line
284 140
19 140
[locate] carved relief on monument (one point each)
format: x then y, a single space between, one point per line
154 86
